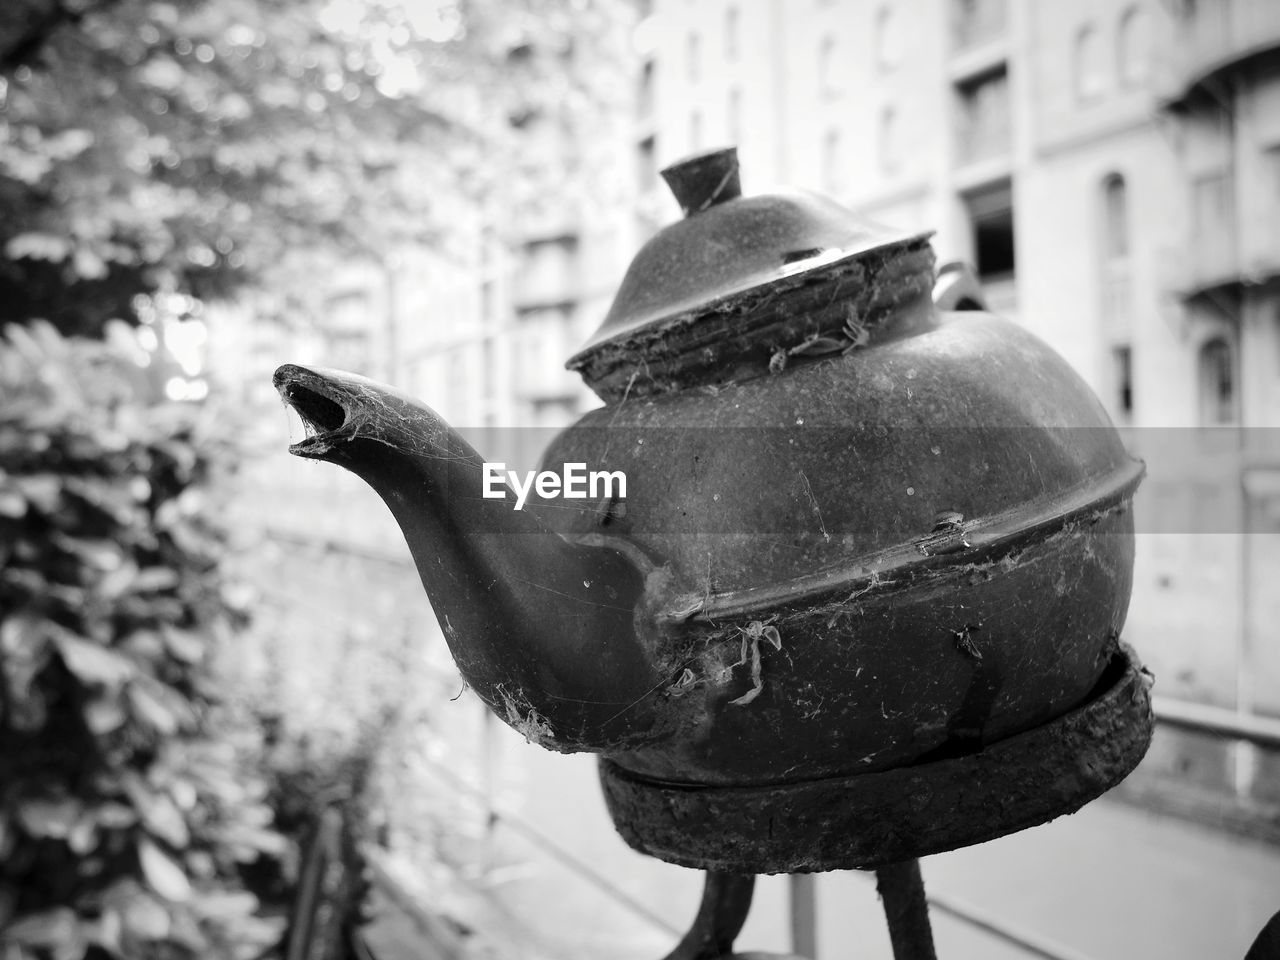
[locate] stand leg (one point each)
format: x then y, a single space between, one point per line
902 889
726 900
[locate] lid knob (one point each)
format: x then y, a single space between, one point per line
705 179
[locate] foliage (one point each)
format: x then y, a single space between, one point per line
124 823
187 145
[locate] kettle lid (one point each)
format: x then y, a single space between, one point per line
727 245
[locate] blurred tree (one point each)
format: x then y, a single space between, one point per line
130 802
189 145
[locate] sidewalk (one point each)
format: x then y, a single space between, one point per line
1110 883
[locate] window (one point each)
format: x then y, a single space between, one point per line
832 161
647 163
547 271
1114 243
826 66
888 140
693 50
1132 48
984 117
1211 205
644 99
1122 370
1115 219
734 116
1271 163
991 214
489 367
1217 382
731 26
888 49
1088 64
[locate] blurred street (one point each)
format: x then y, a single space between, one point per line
1111 882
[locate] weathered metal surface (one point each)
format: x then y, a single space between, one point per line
862 540
901 888
726 900
730 247
872 820
1267 944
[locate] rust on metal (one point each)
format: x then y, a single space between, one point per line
876 819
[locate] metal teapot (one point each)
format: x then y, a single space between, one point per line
862 600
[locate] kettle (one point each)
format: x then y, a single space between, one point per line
851 586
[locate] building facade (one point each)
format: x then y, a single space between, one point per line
1112 170
1110 167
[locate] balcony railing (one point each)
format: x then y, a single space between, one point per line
1211 36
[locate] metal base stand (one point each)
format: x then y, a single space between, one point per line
882 821
726 900
873 820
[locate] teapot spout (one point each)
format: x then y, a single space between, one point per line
543 629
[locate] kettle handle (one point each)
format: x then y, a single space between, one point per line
956 287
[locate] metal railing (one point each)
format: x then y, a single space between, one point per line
1202 718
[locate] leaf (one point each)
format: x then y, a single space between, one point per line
145 918
160 815
226 906
156 578
104 555
24 636
106 932
83 837
49 818
47 929
115 816
116 582
184 645
38 246
92 664
104 714
148 708
162 874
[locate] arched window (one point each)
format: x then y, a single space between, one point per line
1114 243
1088 64
1115 219
1217 382
1132 49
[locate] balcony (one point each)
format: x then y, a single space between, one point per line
1213 37
1233 242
